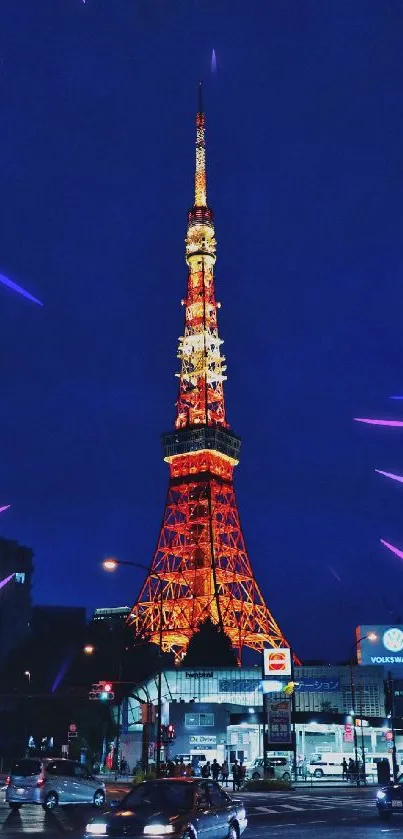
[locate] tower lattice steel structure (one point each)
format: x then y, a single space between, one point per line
201 567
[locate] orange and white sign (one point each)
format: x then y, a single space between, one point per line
277 661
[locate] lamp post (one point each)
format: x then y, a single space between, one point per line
370 637
111 565
27 673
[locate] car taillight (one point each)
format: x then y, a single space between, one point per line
40 782
8 780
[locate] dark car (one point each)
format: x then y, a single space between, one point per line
389 799
189 808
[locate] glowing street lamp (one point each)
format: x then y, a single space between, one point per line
89 649
111 564
27 673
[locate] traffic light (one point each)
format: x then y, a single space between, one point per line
102 690
171 732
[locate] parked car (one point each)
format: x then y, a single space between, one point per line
180 807
277 767
51 782
389 799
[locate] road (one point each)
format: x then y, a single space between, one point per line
299 814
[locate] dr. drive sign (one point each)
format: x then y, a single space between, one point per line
386 649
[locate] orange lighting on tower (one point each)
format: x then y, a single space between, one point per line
201 567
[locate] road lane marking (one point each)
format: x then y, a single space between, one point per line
290 807
266 810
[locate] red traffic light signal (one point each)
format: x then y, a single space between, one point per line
102 690
171 732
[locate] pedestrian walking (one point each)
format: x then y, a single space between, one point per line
351 769
235 775
225 772
344 766
206 770
215 770
242 774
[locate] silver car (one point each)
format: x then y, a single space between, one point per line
52 781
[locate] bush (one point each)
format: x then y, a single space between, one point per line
266 785
141 776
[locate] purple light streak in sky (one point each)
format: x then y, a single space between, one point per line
18 289
213 63
6 580
4 508
395 397
390 475
390 423
392 548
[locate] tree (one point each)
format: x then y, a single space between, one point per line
210 647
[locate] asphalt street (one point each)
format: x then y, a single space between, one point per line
298 814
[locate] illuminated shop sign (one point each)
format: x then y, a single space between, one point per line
317 685
199 674
386 649
238 685
277 661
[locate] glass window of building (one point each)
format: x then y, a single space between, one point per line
206 719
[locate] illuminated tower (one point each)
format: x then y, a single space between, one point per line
201 567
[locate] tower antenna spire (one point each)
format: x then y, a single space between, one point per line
200 170
200 97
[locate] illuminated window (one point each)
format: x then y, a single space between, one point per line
199 720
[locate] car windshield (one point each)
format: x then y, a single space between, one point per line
26 767
151 795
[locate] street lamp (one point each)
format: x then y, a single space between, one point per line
89 649
27 673
111 564
371 636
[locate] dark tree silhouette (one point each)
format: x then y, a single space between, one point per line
210 647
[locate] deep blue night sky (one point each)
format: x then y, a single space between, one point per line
305 157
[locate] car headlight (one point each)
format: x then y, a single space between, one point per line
96 828
381 795
158 829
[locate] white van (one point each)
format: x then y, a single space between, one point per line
326 763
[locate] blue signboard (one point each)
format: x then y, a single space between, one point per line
239 685
380 644
318 685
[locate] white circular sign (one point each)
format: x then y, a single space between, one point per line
393 639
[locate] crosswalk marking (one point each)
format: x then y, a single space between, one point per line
291 807
265 810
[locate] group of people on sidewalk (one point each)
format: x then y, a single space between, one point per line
214 770
352 770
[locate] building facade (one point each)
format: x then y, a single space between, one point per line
16 566
218 713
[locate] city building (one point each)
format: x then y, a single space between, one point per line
61 622
218 713
16 568
109 618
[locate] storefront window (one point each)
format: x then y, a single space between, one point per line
197 720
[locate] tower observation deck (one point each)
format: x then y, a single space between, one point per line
201 567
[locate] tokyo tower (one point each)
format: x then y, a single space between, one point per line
201 567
